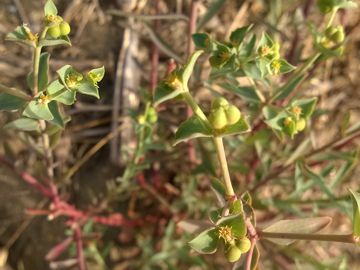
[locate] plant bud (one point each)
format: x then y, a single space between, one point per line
152 116
65 28
243 244
218 119
219 102
300 124
233 254
54 31
232 115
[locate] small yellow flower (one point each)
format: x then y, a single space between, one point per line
225 232
296 110
173 81
43 99
275 66
264 50
72 79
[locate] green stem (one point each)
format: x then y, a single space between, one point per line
36 64
346 238
218 141
14 92
332 17
195 107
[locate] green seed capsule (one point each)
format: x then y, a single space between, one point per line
218 119
54 31
243 244
219 102
339 35
300 124
152 116
233 254
232 115
289 126
65 28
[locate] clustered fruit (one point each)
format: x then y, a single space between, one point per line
57 26
150 117
234 246
223 114
294 123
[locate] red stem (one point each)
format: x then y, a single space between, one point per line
79 248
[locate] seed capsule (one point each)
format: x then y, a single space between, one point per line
54 31
218 119
300 124
233 254
65 28
219 102
243 244
289 126
152 116
232 115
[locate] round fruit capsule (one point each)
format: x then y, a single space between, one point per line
233 254
65 28
300 124
54 31
243 244
219 102
289 126
339 35
232 115
218 119
152 116
330 31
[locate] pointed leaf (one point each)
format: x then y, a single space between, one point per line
192 226
202 41
237 36
37 110
296 226
193 127
189 67
307 106
206 242
43 73
288 88
88 88
50 8
20 34
164 92
355 196
236 222
62 40
248 93
10 102
285 66
60 93
24 124
242 126
58 119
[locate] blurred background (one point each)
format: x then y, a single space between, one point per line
92 154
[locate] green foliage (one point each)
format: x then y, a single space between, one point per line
355 196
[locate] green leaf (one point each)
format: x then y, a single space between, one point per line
242 126
236 222
248 93
50 8
288 88
60 93
10 102
164 92
21 34
347 4
296 226
192 128
211 12
355 196
62 40
285 66
206 242
43 73
237 36
88 88
247 49
218 188
215 215
202 41
37 110
307 106
96 74
58 119
266 40
189 67
252 70
24 124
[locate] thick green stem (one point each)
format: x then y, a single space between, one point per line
195 107
346 238
224 167
14 92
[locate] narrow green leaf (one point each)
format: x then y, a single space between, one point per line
43 71
355 197
236 222
248 93
288 88
215 215
192 128
285 67
206 242
54 109
50 8
297 226
10 102
213 9
164 92
219 190
24 124
189 67
248 48
21 34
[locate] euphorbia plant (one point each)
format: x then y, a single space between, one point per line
234 223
